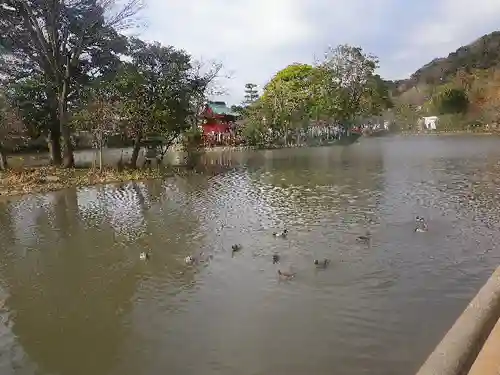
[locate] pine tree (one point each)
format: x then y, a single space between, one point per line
251 93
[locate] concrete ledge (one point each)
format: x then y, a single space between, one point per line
488 360
458 350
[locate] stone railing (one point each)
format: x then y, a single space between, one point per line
460 347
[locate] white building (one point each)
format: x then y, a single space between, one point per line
430 122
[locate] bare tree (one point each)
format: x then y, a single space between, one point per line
10 126
100 118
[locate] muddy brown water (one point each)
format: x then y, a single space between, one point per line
76 299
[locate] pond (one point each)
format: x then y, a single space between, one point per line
76 299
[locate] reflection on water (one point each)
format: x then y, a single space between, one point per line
76 299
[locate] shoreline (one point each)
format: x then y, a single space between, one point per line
447 132
21 181
36 180
405 133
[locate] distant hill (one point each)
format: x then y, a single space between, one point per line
483 53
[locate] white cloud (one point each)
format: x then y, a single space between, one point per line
236 32
256 38
220 26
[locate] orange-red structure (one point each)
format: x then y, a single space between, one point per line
218 119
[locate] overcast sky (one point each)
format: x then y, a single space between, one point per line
256 38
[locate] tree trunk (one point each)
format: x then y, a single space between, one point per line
55 145
285 138
54 139
135 152
68 157
100 157
119 165
3 159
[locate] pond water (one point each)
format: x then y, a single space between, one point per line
76 299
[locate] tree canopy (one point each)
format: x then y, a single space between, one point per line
340 88
61 60
449 100
348 74
68 43
157 90
289 96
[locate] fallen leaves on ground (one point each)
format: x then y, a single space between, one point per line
44 179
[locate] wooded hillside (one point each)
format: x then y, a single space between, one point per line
463 88
482 54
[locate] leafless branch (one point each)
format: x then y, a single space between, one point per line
10 123
121 14
213 74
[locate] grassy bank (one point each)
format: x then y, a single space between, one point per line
44 179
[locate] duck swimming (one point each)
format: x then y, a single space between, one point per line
422 227
276 258
143 255
236 247
286 275
365 238
281 234
322 263
189 260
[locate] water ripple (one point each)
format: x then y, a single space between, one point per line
72 274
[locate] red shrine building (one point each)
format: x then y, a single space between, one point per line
219 121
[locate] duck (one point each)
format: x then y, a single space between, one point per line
365 238
276 258
286 275
236 247
421 224
283 234
190 260
322 263
422 227
143 255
